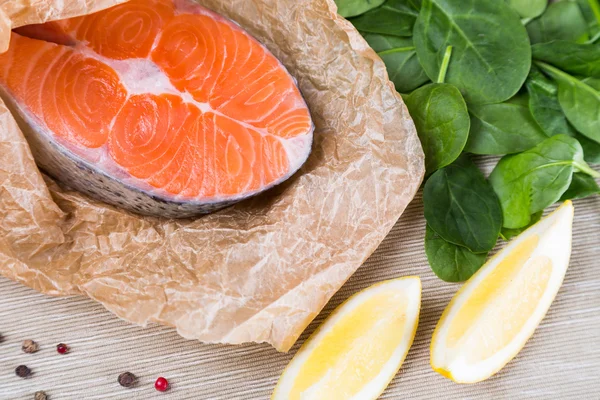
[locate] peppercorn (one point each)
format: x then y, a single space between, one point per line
161 384
1 338
22 371
62 348
29 346
40 396
127 379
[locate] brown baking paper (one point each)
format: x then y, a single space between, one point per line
259 271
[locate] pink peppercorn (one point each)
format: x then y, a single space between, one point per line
62 348
161 384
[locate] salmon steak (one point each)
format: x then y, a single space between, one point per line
161 107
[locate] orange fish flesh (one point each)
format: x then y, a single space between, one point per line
161 107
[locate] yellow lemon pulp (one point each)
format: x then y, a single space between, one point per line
489 289
352 353
506 318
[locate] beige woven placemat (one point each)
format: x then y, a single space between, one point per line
561 361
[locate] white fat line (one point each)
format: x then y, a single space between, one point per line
143 76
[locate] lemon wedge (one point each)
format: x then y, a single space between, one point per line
491 317
359 348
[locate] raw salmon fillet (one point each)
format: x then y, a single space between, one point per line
161 107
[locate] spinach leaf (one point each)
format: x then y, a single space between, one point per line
394 17
461 206
400 58
575 58
593 82
451 263
491 53
528 8
544 105
591 149
381 43
520 99
579 101
502 128
352 8
442 120
562 20
581 186
591 12
547 112
528 182
507 233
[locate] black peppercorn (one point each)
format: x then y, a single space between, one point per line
22 371
1 338
40 396
29 346
127 379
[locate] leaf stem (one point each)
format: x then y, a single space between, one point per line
595 8
586 169
594 39
445 62
549 69
557 73
396 50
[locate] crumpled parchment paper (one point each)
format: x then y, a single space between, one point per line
261 270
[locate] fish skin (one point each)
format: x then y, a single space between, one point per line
79 173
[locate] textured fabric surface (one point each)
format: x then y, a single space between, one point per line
561 361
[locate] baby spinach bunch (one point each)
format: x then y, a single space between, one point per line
513 78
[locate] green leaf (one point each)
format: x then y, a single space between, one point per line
351 8
579 101
528 8
591 12
461 207
394 17
528 182
503 128
508 233
575 58
561 21
401 61
491 53
451 263
591 149
593 82
544 105
581 186
442 120
547 112
520 99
